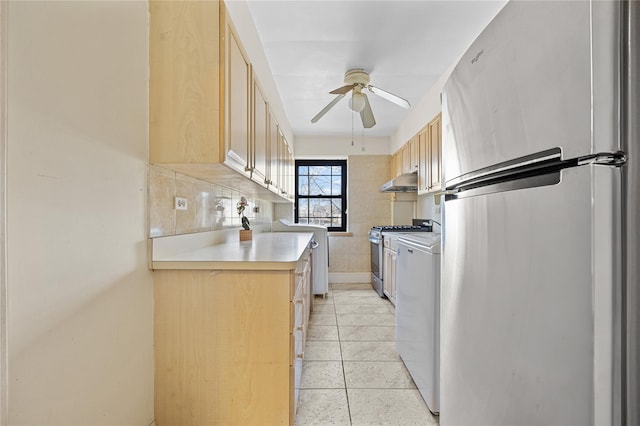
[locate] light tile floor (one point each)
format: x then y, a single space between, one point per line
352 374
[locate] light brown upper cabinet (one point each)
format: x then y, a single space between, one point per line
259 135
435 153
288 167
208 115
184 83
423 162
406 158
430 151
272 170
413 155
285 168
237 98
397 162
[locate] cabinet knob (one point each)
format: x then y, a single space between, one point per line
299 274
299 328
298 301
300 356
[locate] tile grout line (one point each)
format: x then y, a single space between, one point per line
340 340
344 376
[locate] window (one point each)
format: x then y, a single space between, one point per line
321 193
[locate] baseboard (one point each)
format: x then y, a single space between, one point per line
349 277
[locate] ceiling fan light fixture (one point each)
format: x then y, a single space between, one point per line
357 102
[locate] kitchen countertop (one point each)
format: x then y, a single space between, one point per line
428 240
266 251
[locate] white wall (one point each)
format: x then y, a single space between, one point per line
80 331
340 147
428 107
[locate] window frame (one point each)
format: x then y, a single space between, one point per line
343 190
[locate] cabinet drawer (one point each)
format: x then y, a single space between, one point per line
298 314
292 349
298 357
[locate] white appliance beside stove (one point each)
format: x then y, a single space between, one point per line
418 312
320 256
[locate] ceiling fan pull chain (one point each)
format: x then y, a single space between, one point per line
352 114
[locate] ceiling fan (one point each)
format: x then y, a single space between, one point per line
355 81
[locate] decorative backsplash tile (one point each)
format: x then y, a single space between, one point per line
211 207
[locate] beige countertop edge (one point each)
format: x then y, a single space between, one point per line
226 265
267 251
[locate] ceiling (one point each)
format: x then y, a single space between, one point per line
404 45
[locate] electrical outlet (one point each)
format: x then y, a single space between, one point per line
181 203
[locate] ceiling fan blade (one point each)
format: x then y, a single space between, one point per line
342 90
367 115
327 108
390 97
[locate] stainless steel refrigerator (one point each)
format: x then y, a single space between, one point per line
540 236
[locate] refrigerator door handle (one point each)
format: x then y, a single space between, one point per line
506 168
535 170
615 159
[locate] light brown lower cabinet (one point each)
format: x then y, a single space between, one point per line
389 262
229 344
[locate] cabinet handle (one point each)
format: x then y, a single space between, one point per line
299 274
298 301
299 328
410 251
300 356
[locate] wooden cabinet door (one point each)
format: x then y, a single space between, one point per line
392 262
282 160
399 165
273 152
237 100
392 166
406 158
290 179
435 155
259 135
208 321
413 154
386 272
423 163
389 274
184 82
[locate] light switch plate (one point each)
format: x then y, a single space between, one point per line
181 203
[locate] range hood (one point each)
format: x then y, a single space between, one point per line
407 182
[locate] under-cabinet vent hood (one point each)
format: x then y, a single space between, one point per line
407 182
